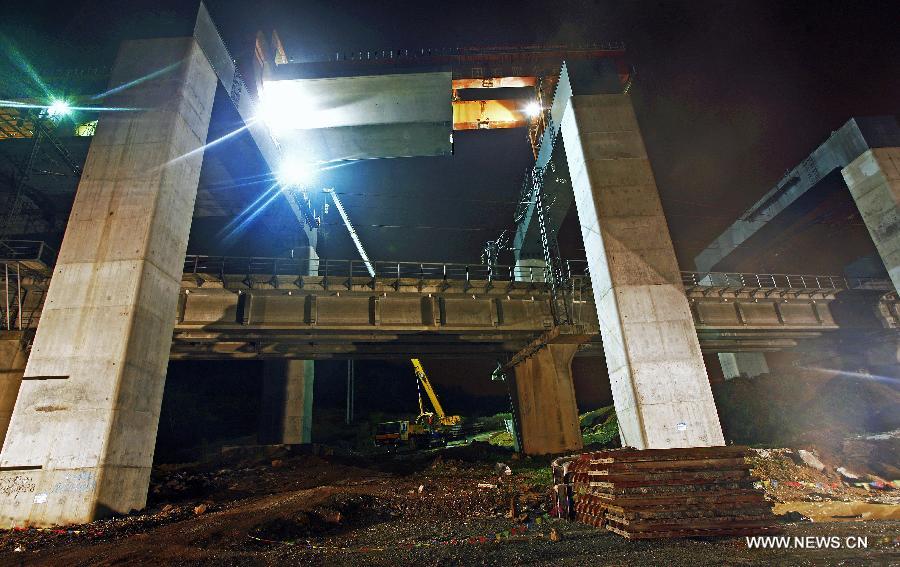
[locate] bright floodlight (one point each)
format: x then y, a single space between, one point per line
58 108
283 106
533 109
295 172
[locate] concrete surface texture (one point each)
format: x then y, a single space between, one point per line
83 430
287 397
545 401
747 364
12 366
874 182
659 383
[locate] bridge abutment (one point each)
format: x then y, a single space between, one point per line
545 401
82 434
287 402
659 383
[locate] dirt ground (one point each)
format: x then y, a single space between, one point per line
448 507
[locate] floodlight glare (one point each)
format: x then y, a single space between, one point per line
295 172
533 109
283 106
58 108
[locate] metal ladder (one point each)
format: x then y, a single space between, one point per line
556 273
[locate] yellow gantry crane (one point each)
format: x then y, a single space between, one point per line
426 385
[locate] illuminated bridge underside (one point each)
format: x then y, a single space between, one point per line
316 317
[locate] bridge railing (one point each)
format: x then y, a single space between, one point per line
226 265
782 281
25 251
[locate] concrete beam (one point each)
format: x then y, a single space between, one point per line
660 387
797 192
350 118
874 182
81 439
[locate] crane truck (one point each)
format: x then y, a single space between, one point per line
429 429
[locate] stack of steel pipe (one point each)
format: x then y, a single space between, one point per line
660 493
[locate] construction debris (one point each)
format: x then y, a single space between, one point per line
811 460
662 493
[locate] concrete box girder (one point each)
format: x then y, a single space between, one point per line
349 118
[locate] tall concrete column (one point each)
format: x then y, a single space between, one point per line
530 270
81 439
12 366
286 414
545 401
660 388
748 364
874 182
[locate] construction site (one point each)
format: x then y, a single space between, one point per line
271 298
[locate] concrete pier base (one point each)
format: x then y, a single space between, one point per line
12 367
659 383
287 401
81 439
747 364
544 400
874 182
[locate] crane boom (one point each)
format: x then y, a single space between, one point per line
426 384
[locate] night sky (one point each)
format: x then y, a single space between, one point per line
729 95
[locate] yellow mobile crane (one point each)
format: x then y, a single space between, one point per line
443 418
425 431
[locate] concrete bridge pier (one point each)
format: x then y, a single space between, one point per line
287 402
285 413
12 366
874 182
747 364
530 270
544 401
659 383
81 438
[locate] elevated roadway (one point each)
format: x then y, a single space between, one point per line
246 308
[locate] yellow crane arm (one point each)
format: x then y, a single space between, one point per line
423 378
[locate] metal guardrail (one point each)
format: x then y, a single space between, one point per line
226 265
782 281
26 251
21 261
